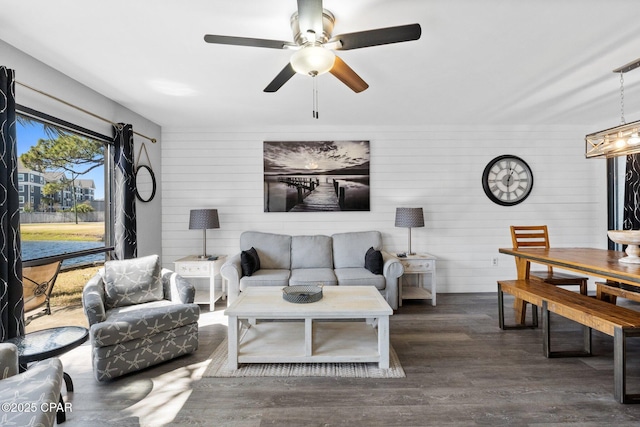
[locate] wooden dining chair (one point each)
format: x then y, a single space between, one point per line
37 285
537 236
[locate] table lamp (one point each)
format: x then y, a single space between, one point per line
203 219
409 217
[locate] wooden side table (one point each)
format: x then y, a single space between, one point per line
419 264
193 266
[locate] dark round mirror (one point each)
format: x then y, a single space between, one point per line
145 183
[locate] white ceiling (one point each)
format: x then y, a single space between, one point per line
478 61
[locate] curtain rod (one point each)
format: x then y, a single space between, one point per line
82 109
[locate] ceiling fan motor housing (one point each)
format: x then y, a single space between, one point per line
314 43
300 35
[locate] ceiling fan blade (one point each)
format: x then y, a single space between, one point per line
380 36
246 41
310 16
282 77
347 76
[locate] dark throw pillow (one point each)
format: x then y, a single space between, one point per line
249 261
373 261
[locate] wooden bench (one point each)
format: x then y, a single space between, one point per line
619 322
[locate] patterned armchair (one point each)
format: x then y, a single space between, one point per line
35 392
139 315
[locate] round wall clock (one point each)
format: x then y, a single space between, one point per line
507 180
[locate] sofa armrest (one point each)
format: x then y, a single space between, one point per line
8 360
93 299
392 269
177 288
231 270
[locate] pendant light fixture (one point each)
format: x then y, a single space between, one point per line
621 140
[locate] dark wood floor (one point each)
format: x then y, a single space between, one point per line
462 370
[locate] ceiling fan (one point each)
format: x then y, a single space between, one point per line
314 44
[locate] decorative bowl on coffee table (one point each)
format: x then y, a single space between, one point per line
631 238
302 294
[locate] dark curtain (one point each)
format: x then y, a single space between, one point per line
11 302
124 197
631 217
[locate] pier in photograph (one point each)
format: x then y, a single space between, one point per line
322 198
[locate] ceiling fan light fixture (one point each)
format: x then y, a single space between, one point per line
312 60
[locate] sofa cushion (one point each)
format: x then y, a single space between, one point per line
373 261
250 262
274 250
349 249
133 281
266 277
313 276
311 252
359 277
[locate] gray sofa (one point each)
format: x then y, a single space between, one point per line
301 260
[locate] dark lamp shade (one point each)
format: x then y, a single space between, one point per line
203 219
409 217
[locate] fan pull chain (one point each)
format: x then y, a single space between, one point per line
315 95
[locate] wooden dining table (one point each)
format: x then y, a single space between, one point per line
600 263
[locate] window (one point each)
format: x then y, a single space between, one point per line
58 221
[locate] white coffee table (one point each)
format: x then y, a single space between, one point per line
341 327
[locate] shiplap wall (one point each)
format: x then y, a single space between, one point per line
436 168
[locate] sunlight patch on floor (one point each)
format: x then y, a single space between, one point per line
169 393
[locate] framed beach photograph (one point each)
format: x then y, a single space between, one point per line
316 176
